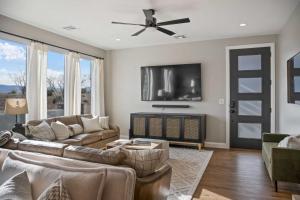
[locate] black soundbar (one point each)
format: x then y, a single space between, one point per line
169 106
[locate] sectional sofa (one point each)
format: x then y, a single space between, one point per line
152 187
95 140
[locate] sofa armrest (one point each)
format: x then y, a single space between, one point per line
115 127
155 186
286 164
273 137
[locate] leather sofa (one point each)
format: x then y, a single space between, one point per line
95 140
153 187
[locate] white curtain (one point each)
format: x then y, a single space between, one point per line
72 98
36 89
97 87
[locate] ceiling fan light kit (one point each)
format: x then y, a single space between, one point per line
151 22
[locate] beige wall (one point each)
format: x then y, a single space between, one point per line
123 75
289 44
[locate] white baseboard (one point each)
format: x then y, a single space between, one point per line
216 145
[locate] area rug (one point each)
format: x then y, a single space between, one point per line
188 166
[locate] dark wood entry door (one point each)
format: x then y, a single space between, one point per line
250 96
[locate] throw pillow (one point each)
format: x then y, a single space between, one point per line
292 142
55 191
76 129
104 121
145 162
4 137
60 130
91 125
17 187
18 136
42 131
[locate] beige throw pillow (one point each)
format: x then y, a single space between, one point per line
104 121
292 142
42 131
91 125
81 183
145 162
55 191
76 129
17 188
60 130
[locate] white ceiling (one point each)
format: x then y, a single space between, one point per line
210 19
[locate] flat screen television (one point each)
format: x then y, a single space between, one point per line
171 82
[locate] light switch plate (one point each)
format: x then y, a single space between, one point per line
221 101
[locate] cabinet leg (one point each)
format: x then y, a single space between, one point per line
276 186
199 146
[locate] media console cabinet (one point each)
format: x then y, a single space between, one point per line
178 128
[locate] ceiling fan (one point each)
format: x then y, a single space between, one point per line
151 23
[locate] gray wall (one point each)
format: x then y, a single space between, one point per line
289 44
123 75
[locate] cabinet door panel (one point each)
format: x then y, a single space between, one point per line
139 126
155 126
191 128
173 127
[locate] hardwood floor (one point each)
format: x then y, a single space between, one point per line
239 174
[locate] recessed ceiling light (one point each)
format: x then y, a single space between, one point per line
243 24
179 36
69 28
118 39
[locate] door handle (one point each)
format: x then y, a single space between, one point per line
232 111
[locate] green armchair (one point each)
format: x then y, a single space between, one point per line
283 164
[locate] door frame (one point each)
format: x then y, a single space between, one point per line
273 75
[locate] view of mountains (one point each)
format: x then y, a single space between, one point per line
9 88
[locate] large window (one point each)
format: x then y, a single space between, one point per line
85 71
12 78
55 84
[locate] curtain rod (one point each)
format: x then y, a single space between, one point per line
27 38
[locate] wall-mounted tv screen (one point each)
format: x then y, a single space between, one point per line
171 82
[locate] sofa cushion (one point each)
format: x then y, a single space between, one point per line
70 141
82 183
145 162
111 156
108 134
117 177
104 122
86 138
68 120
60 130
51 148
17 187
56 191
267 148
42 131
91 125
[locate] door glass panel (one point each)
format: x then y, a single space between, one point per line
297 61
249 130
249 62
250 108
297 83
250 85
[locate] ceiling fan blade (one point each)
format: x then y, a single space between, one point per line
165 31
139 32
148 13
123 23
176 21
